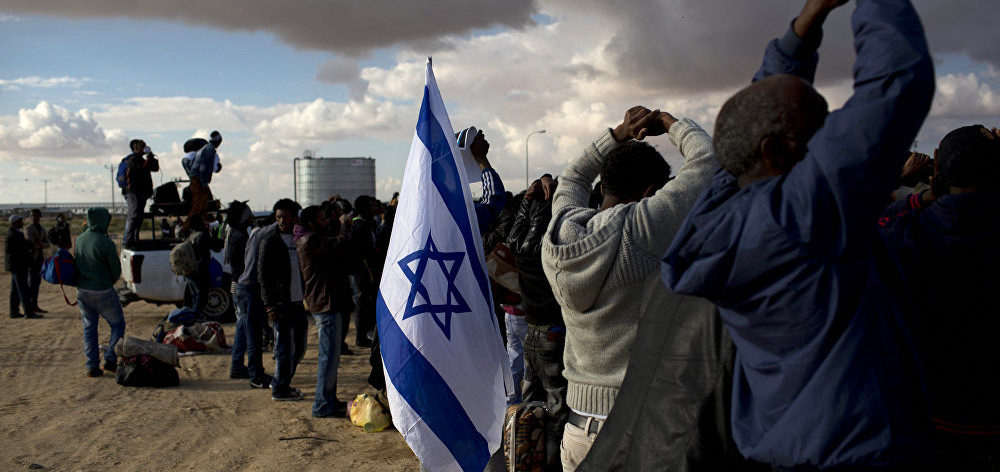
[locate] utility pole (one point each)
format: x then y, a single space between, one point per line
112 169
45 185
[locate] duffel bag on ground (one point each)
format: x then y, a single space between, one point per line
524 437
146 371
207 336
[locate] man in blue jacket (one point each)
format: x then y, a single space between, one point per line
199 167
945 245
785 241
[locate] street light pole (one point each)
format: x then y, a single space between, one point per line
526 172
112 169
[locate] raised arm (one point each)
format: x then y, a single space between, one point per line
491 203
795 52
656 219
853 161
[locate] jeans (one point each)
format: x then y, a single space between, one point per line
543 381
328 328
290 331
517 328
20 292
136 205
103 303
249 326
35 283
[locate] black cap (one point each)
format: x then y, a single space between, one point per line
215 138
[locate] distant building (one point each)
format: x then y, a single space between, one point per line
317 178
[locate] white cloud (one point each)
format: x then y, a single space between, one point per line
4 18
42 82
53 131
965 95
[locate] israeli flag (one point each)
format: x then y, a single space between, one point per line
445 364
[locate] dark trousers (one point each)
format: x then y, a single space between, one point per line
249 331
197 292
34 283
366 314
543 381
290 331
136 205
20 293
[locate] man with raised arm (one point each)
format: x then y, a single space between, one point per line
785 242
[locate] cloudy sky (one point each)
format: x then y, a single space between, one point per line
78 79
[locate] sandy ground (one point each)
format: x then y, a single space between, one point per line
52 415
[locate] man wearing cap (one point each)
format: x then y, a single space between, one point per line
138 187
200 164
17 261
945 246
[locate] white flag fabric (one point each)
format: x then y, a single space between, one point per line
445 365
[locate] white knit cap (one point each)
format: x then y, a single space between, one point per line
14 218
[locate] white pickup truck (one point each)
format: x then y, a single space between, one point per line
147 276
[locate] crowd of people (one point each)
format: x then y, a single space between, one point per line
803 293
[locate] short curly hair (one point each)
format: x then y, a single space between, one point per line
631 168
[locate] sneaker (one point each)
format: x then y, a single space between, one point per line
16 315
263 381
237 374
95 372
33 316
345 351
39 310
110 366
291 395
339 411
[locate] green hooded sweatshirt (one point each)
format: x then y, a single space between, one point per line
97 264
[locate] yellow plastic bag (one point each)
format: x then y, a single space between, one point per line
370 412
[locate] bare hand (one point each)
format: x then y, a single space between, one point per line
548 185
639 122
915 163
813 15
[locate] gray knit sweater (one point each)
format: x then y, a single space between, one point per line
604 266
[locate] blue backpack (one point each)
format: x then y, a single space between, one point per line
122 177
60 269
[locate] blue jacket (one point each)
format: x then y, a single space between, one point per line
947 255
491 203
825 373
202 166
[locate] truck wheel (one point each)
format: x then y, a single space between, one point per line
219 306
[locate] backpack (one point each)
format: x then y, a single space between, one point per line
524 437
146 371
60 269
122 177
182 258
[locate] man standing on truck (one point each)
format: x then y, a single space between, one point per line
200 162
138 187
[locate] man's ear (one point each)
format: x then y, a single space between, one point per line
772 150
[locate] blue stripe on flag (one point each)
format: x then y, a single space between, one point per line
428 394
444 173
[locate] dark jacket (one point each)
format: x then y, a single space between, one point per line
204 243
16 250
363 240
274 271
825 373
947 256
235 251
139 181
60 235
673 409
326 261
525 239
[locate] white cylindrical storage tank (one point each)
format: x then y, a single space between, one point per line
317 179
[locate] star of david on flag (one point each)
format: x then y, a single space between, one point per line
446 368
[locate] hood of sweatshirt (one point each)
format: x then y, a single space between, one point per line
581 254
98 219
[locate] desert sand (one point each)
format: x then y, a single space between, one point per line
53 417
